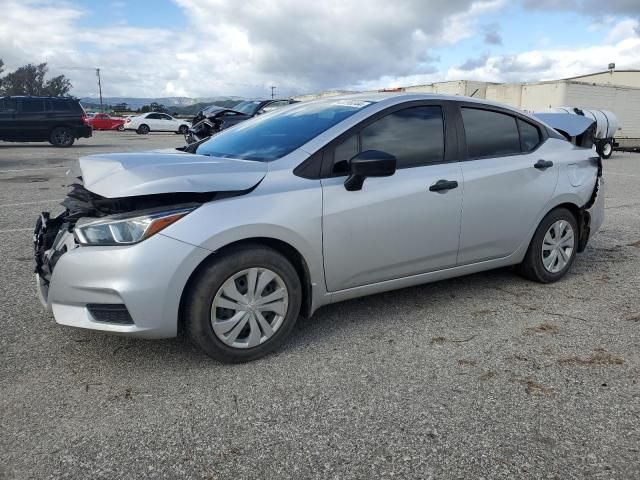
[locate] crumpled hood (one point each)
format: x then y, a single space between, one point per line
118 175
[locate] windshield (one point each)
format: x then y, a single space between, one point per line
276 134
248 108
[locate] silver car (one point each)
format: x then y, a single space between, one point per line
308 205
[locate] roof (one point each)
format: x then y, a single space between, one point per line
38 96
600 73
398 97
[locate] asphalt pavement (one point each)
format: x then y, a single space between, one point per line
485 376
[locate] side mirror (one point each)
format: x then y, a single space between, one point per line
370 163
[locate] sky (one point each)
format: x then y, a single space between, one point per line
208 48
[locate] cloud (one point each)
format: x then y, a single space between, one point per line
551 64
241 47
226 47
473 63
625 29
596 8
491 35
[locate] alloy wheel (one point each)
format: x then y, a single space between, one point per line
62 137
557 246
249 307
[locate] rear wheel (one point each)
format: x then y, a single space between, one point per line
143 129
243 304
183 130
605 149
61 137
121 128
552 249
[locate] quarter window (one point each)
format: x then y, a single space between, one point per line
529 136
490 134
60 105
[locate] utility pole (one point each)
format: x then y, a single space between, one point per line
100 89
273 88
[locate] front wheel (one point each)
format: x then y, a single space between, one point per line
121 128
243 304
61 137
183 130
552 249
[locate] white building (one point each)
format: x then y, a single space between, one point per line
617 91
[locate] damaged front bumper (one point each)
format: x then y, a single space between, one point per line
133 290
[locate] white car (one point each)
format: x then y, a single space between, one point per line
156 122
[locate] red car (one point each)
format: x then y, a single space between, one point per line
102 121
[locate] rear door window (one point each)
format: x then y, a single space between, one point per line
529 136
489 133
32 105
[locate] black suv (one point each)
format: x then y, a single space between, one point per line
58 121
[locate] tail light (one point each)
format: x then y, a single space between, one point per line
127 120
85 119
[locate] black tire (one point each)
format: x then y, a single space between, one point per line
605 149
61 137
532 267
143 129
183 130
121 128
210 278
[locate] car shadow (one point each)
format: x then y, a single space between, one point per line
360 313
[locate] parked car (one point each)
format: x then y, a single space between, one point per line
310 205
214 119
103 121
58 121
156 122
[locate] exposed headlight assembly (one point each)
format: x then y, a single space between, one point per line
127 229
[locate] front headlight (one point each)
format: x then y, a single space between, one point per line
127 230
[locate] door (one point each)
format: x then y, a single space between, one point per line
167 123
101 121
506 189
31 119
153 121
395 226
8 107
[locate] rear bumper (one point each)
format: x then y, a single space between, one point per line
147 278
596 212
85 131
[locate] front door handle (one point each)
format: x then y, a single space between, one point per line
543 164
443 185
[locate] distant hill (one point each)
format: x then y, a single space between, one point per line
135 102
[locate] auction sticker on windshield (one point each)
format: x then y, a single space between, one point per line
352 103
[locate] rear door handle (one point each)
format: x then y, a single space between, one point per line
543 164
443 185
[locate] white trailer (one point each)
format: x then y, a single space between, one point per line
623 101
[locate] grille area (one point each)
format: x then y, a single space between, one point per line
115 313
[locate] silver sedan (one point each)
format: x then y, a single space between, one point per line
308 205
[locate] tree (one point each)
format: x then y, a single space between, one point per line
30 80
158 107
153 107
